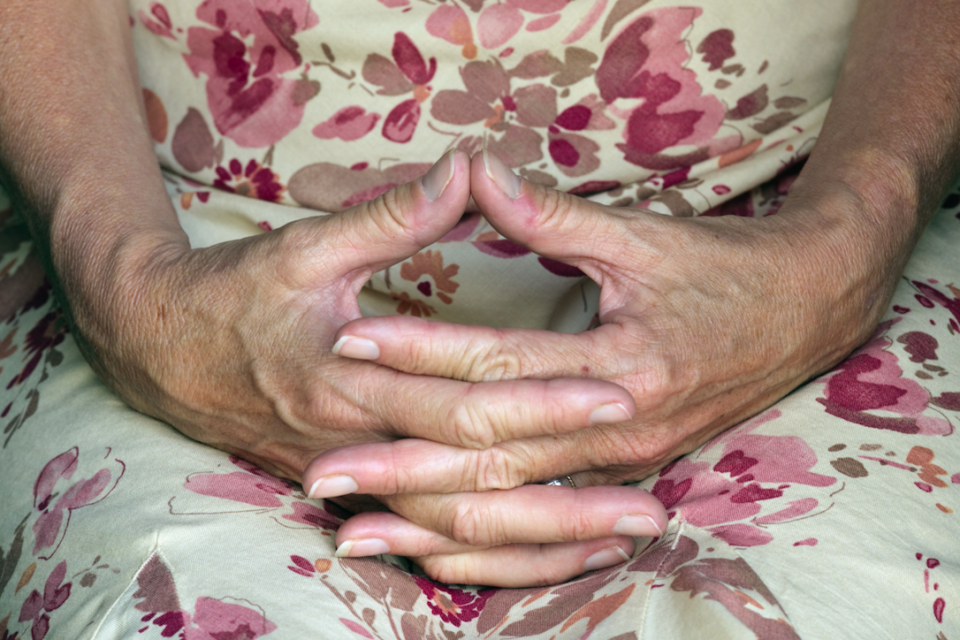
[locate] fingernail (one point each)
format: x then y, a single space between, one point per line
640 526
507 180
362 548
609 414
333 486
356 348
601 559
439 176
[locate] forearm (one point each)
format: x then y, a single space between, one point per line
74 148
892 135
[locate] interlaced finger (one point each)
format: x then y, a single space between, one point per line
478 415
451 562
476 353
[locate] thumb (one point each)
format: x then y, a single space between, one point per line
551 223
380 232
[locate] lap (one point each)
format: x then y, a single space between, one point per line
833 511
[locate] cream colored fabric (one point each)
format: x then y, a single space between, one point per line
832 515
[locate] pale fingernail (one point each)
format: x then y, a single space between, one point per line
507 180
362 548
640 526
609 414
439 176
602 559
333 486
356 348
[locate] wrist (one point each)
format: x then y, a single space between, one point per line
854 219
872 187
101 250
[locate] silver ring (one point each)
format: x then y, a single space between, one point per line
565 481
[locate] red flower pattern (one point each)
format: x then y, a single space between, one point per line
408 72
453 606
252 181
646 62
47 334
252 100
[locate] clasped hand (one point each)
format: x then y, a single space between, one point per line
257 347
704 322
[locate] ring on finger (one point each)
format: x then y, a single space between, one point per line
565 481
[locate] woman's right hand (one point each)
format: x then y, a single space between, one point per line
232 344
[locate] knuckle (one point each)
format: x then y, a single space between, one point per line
578 524
493 468
317 409
663 374
404 477
471 525
449 569
554 209
627 447
545 573
293 243
656 381
421 547
492 362
468 427
389 212
421 354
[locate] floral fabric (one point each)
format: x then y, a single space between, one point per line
831 515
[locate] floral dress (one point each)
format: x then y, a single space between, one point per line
831 515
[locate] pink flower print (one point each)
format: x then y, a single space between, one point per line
330 517
212 619
254 486
574 154
37 606
645 63
497 24
717 48
331 187
56 498
218 620
453 606
430 264
407 72
743 490
47 334
869 381
348 124
452 24
507 249
932 294
159 23
539 6
253 180
246 58
488 98
416 308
